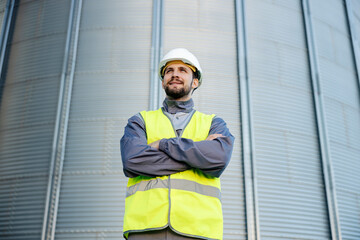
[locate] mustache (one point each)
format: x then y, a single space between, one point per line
175 80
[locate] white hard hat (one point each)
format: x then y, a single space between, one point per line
183 55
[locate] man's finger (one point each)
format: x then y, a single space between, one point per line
155 144
214 136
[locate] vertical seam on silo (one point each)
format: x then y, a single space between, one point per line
156 50
67 110
354 40
48 201
5 31
161 13
248 152
321 124
61 124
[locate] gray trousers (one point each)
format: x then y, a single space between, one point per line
165 234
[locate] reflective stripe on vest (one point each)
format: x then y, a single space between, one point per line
180 184
188 202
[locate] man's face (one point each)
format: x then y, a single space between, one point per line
178 82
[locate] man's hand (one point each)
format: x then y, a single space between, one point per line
155 144
213 136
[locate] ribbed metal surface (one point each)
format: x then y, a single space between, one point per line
6 14
353 8
356 18
2 12
342 107
27 115
206 22
111 83
247 133
291 195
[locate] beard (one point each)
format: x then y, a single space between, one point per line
176 93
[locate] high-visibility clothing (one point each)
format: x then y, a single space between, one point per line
188 202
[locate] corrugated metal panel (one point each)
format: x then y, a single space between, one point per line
291 195
247 133
6 16
356 11
208 30
342 107
353 14
27 115
111 84
2 13
320 120
2 10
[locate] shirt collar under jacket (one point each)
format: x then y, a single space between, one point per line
172 106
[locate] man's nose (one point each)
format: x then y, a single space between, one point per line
175 73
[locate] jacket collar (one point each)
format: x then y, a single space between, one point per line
172 106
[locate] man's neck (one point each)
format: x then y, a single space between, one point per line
174 106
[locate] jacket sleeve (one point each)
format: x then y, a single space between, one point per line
211 157
139 158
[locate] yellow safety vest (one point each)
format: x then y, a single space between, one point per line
188 202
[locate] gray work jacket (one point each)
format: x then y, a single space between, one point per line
174 154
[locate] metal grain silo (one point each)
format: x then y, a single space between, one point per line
283 74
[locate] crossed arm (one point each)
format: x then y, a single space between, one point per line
209 138
168 156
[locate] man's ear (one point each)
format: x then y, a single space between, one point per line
162 83
195 83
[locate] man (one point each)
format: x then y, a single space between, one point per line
174 157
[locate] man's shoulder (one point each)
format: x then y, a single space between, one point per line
215 118
137 118
142 113
218 119
150 115
211 115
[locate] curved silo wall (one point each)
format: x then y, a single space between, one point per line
339 81
27 115
2 12
290 188
110 84
282 74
